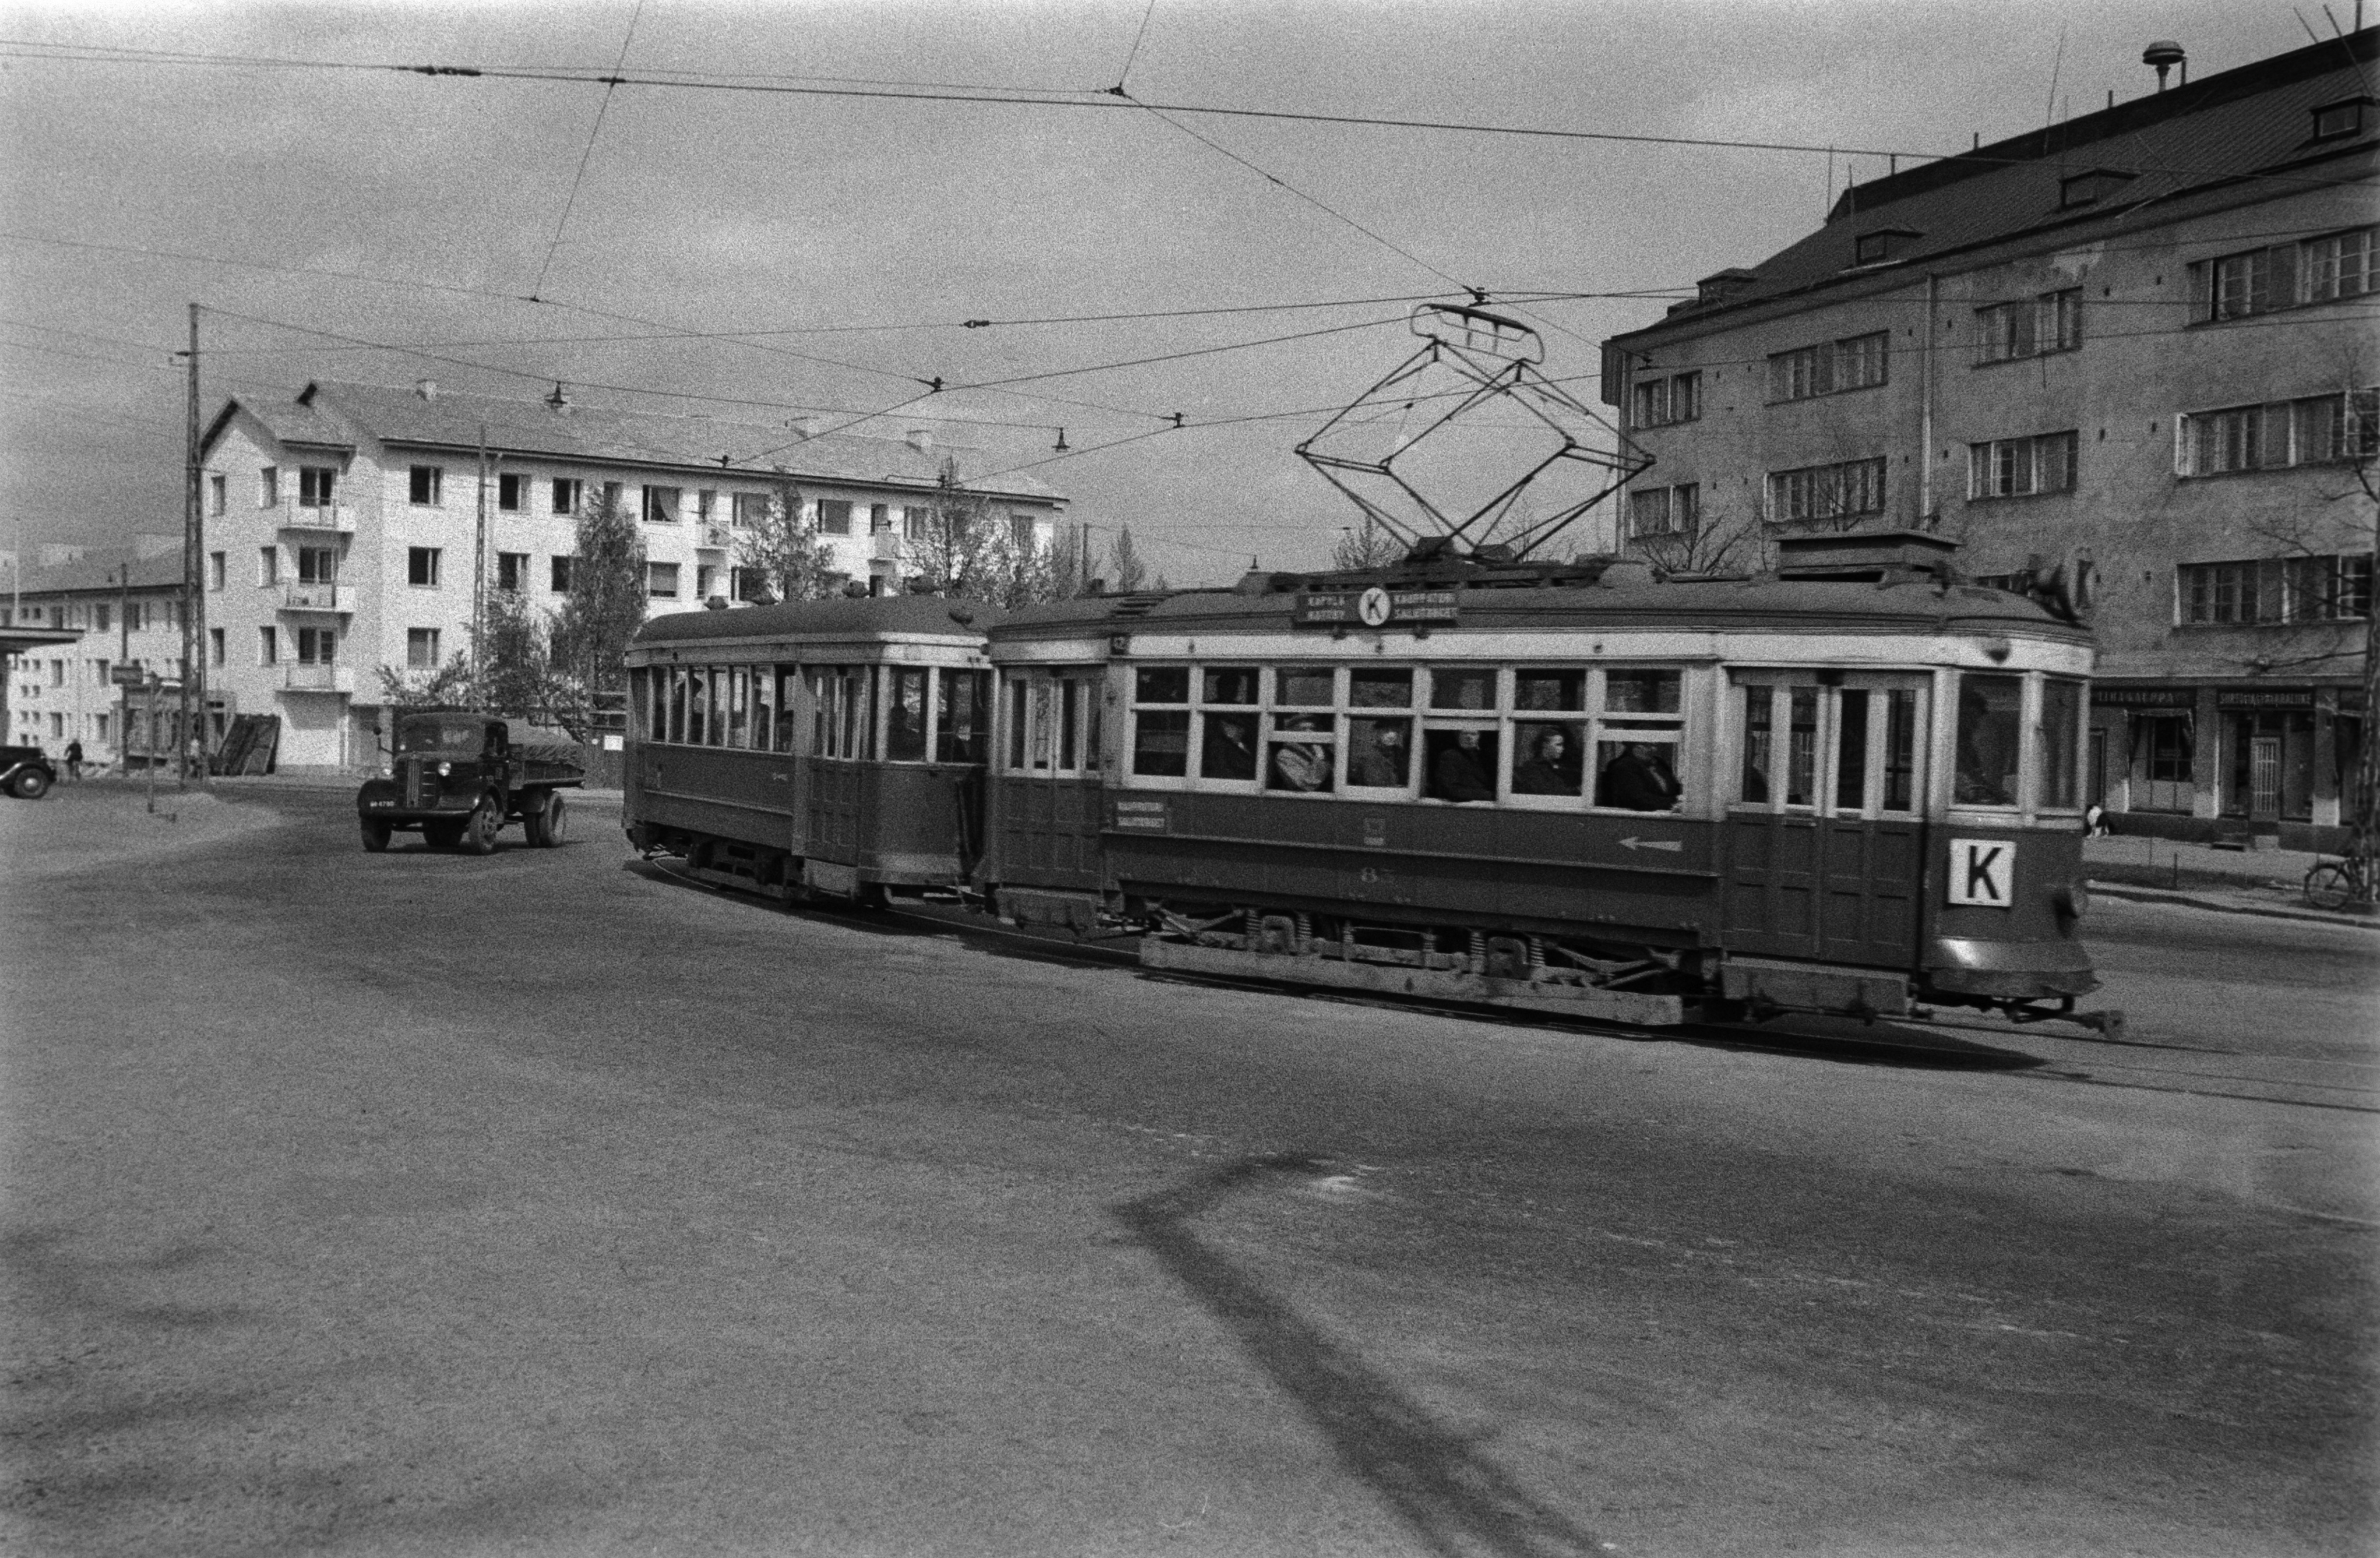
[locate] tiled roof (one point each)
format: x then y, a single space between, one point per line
451 420
2254 120
96 571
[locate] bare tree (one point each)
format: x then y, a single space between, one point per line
781 556
1699 547
1370 547
1125 572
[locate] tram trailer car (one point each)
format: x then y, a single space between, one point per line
456 778
1851 786
828 747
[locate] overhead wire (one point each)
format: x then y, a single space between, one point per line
601 108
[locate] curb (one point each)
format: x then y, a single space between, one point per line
2158 895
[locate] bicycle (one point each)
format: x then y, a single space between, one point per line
2336 884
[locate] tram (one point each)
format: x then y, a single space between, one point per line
1851 787
833 748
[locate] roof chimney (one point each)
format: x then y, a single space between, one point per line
2164 53
921 439
426 388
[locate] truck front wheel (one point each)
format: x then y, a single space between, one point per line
376 836
479 830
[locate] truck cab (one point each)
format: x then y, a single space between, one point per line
456 778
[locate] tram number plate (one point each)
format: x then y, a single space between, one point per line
1983 873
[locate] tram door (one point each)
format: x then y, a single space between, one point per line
1825 831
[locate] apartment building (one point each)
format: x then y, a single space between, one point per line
2140 345
122 607
343 528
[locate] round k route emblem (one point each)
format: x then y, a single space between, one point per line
1373 607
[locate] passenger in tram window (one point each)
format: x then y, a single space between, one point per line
1228 750
1298 765
1550 768
904 721
1377 754
1988 709
1462 766
1638 778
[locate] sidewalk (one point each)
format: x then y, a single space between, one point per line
2264 882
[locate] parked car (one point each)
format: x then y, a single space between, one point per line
26 772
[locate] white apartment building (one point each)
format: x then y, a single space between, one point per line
341 528
124 606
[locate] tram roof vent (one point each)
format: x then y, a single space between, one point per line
1862 555
1136 605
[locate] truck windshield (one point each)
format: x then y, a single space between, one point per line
448 738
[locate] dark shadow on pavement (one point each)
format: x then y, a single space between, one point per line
1455 1499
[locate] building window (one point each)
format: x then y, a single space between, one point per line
565 494
2336 267
880 518
215 561
2029 327
218 493
214 645
267 646
314 486
512 492
1664 402
1885 243
421 648
706 505
2275 590
318 566
2087 189
421 566
268 486
1664 510
511 572
1829 368
1020 531
661 580
1827 492
99 616
317 646
661 505
2312 431
98 671
2334 119
425 484
751 508
559 577
612 490
2021 467
704 574
834 516
268 566
2321 269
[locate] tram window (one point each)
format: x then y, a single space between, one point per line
1462 689
739 706
1222 684
1070 699
1802 748
904 715
785 675
764 707
1462 763
1303 686
677 704
1379 752
1850 749
959 731
1161 744
2057 740
1900 750
1302 755
1022 695
1759 743
641 702
1227 745
1636 770
1641 692
1989 708
1565 689
697 704
1374 687
1160 683
1552 755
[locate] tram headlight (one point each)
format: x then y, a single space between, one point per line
445 768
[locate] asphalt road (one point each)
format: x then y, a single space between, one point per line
418 1204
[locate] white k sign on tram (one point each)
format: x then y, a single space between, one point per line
1983 873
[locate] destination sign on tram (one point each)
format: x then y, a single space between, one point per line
1375 607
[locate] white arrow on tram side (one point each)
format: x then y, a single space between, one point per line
1674 846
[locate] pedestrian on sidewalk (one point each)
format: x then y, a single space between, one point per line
74 759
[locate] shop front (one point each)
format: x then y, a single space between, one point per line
2215 763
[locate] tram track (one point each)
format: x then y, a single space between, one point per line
1981 1047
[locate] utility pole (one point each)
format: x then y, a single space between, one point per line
191 731
124 658
479 584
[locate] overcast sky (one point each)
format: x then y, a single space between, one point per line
865 229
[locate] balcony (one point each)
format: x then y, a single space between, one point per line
332 519
297 678
885 546
713 538
318 598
